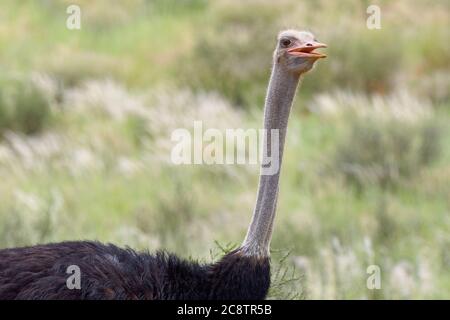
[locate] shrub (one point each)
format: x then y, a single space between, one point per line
23 106
234 57
384 153
381 139
72 67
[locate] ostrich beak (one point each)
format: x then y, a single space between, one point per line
308 50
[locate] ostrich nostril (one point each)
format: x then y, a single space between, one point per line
309 44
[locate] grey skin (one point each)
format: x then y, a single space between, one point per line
293 57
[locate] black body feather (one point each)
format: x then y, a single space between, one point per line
109 272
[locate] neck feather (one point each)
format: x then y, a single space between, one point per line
280 94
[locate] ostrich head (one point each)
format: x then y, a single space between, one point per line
295 51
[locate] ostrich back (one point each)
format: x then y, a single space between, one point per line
109 272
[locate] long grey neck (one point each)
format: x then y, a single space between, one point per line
280 94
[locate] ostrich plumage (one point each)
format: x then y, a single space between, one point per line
109 272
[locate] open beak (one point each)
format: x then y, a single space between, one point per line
308 51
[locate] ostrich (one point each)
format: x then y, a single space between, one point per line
109 272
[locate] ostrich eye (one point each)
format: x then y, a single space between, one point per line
286 42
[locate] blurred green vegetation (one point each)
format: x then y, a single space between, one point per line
86 117
23 107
